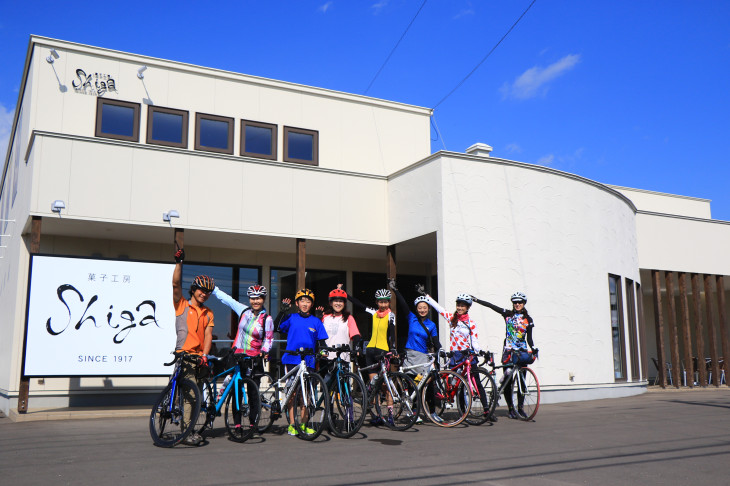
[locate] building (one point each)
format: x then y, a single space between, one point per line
113 156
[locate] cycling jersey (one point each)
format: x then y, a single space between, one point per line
190 324
255 332
519 326
463 335
302 332
340 332
418 338
383 333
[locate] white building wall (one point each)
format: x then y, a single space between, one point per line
658 202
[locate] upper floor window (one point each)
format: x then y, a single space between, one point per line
258 139
117 119
214 133
301 145
166 126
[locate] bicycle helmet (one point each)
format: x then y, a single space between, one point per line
256 291
338 294
419 299
204 283
519 297
383 294
464 298
304 293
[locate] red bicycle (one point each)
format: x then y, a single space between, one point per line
481 385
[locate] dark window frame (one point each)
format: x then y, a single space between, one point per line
274 139
633 329
100 102
315 145
172 111
621 334
206 116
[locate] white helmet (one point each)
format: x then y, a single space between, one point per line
519 297
419 299
256 291
383 294
464 298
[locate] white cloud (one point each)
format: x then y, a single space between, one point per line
325 7
513 148
546 159
464 13
378 6
6 124
534 81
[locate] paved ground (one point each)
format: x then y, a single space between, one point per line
667 438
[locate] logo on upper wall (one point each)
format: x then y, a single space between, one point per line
95 84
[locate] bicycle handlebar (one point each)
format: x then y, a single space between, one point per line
185 356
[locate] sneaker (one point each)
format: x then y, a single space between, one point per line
419 420
375 421
436 418
193 439
390 420
512 414
522 413
306 429
292 430
492 418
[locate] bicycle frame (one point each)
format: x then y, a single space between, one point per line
235 381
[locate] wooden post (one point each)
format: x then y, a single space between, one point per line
642 333
301 263
672 324
720 288
711 331
686 337
699 331
659 323
390 271
35 247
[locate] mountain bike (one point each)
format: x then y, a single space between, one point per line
482 406
301 388
392 397
445 394
176 410
240 396
347 395
525 388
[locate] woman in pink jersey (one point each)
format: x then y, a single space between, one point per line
339 324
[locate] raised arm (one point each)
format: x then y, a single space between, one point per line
495 308
437 307
226 299
356 302
399 297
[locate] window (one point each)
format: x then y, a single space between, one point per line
633 332
301 146
258 139
214 133
117 119
617 327
166 126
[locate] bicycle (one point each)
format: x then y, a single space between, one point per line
176 410
347 395
303 388
395 388
447 390
240 396
524 385
481 407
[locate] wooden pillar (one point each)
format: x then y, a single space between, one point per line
672 324
659 323
390 272
699 331
642 333
720 288
711 331
301 263
686 336
35 247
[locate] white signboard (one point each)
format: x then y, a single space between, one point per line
99 318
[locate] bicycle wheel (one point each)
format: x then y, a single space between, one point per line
207 408
270 406
168 426
451 398
526 391
347 405
311 418
405 402
482 408
242 411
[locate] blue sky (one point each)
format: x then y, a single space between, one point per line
632 93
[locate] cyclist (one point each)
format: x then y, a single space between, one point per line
339 324
382 338
303 330
193 325
422 335
518 337
255 332
463 337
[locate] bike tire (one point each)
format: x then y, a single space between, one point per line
405 402
207 408
270 406
316 407
167 428
348 405
530 393
451 398
242 410
480 412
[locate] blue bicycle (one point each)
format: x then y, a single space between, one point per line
347 395
240 396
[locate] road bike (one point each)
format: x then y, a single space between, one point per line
239 394
347 396
176 410
482 405
392 397
300 388
444 395
524 387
